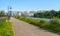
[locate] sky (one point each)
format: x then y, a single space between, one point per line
30 5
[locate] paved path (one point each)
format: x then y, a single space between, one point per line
22 28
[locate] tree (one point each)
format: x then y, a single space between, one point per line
48 14
2 12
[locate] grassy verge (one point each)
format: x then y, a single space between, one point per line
53 24
5 28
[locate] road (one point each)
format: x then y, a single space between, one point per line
22 28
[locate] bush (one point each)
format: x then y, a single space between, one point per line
55 24
35 22
44 24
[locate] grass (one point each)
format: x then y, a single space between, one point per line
5 28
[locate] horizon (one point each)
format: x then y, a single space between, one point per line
30 5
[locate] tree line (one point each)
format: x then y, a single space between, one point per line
48 14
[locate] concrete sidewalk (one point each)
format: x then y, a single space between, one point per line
22 28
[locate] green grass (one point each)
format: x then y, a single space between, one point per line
5 28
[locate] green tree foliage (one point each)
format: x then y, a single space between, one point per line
48 14
2 12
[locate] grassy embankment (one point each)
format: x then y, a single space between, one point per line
5 28
53 25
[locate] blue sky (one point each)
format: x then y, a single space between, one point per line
30 5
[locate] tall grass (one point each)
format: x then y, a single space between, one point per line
5 28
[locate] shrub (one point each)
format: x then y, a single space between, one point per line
55 24
44 24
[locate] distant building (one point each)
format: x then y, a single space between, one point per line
27 13
17 14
